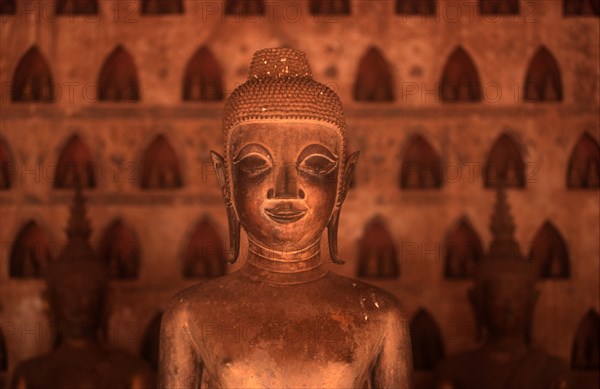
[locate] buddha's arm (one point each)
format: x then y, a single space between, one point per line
179 366
393 368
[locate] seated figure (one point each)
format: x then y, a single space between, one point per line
76 290
503 300
284 320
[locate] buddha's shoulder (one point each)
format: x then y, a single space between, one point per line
125 360
474 358
207 292
34 365
457 361
36 370
366 295
550 362
28 371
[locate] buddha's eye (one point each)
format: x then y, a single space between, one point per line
253 164
317 164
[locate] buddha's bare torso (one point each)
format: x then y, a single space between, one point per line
327 333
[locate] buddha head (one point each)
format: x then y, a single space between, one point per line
283 176
77 282
504 294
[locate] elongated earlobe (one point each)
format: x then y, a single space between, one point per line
234 225
332 227
332 230
350 165
234 236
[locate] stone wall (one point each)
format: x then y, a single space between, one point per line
416 49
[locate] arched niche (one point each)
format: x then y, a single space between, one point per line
416 7
32 80
151 341
377 255
7 166
203 80
118 79
31 251
76 7
244 7
162 7
330 7
75 165
8 7
586 343
549 252
504 164
160 166
583 171
119 249
463 250
543 79
499 7
421 165
374 81
204 254
460 79
581 7
426 340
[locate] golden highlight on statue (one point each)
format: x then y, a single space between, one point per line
283 320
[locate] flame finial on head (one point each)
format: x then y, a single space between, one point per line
504 254
77 258
278 63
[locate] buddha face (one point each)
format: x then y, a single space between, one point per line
285 180
77 305
507 303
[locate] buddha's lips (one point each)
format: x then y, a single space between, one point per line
285 213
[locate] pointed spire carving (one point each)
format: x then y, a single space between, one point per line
503 246
79 226
502 224
78 248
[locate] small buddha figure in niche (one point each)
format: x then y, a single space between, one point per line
503 299
37 88
76 290
283 319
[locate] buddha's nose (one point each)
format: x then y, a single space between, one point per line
286 183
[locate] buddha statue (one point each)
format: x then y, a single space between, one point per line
503 299
76 289
283 319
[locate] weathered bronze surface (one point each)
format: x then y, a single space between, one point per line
283 320
76 290
503 300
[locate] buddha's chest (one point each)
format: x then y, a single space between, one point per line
276 346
